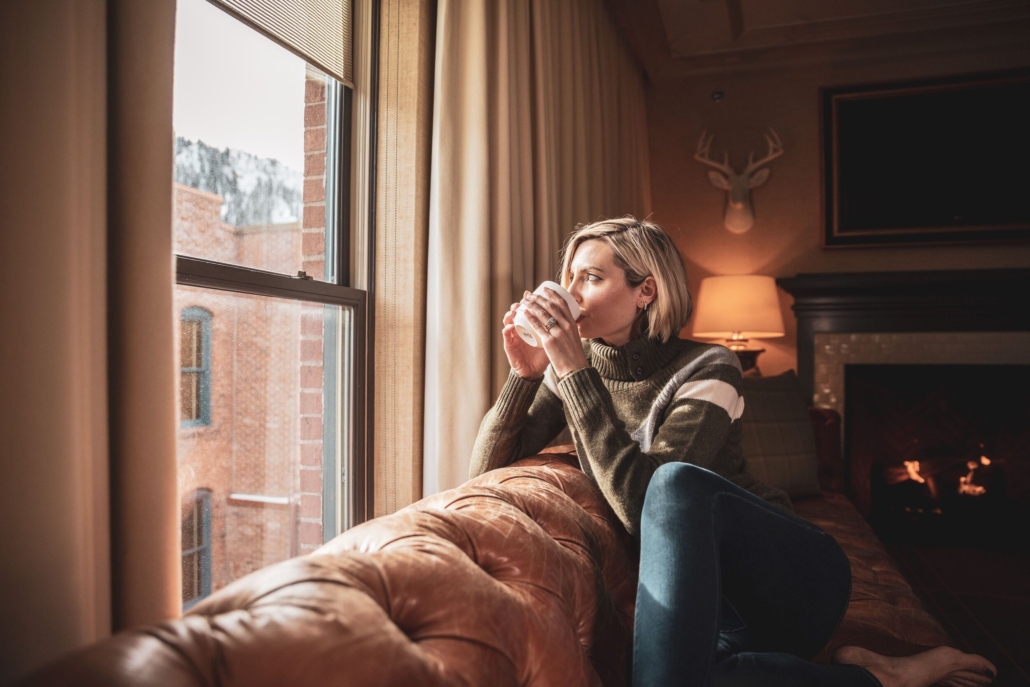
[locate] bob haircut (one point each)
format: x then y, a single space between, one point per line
641 249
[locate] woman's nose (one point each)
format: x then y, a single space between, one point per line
574 292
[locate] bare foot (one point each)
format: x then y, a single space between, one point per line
940 666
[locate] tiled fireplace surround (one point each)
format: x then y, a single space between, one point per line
919 317
834 350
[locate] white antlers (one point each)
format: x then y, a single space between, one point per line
740 213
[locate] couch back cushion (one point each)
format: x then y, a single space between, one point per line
519 577
778 440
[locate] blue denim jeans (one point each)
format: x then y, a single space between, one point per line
734 591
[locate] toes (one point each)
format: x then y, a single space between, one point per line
966 678
980 665
961 682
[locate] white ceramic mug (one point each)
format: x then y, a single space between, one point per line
522 325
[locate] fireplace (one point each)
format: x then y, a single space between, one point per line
940 454
878 347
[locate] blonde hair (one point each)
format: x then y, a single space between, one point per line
642 249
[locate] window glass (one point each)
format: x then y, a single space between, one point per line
253 124
269 455
196 547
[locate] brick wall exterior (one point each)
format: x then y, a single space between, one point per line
311 335
265 434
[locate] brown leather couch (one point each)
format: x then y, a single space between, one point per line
522 576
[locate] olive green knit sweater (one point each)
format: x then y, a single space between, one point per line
635 407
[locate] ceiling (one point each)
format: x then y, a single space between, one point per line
678 37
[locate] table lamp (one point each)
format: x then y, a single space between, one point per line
739 308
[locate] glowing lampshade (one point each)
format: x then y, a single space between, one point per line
738 308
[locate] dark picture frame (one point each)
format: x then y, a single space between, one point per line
927 162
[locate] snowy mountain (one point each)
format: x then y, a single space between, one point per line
256 190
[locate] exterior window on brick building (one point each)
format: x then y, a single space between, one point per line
195 367
196 548
271 445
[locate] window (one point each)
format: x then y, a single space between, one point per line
195 367
196 548
271 334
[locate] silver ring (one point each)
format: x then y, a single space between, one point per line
550 323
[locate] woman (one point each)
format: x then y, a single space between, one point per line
734 589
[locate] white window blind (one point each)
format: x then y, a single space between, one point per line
317 30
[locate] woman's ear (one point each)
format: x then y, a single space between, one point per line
648 290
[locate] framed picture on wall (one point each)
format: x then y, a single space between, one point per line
942 161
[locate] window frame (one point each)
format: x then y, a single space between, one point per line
351 476
203 316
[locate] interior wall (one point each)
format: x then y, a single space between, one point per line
786 237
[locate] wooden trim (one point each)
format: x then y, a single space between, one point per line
404 128
369 233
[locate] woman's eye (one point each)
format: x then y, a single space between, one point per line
593 277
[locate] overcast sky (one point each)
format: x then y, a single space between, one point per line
235 88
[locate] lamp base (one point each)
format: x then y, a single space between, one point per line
748 358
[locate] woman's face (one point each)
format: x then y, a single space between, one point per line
609 304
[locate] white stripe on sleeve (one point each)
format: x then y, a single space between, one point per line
714 391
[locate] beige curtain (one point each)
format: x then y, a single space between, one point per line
88 506
539 124
145 562
54 564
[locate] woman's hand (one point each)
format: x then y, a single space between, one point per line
560 341
527 361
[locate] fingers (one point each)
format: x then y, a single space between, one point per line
544 309
537 321
559 302
509 316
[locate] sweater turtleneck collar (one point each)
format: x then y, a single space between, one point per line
636 360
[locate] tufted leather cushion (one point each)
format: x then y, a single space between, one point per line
519 577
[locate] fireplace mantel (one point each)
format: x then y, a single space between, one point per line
921 301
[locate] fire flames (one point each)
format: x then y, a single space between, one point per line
965 484
913 471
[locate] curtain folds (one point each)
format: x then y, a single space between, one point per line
54 563
145 561
539 124
88 483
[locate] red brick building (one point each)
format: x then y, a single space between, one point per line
251 435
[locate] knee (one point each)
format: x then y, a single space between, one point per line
683 484
682 477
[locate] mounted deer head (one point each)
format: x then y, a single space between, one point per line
740 214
